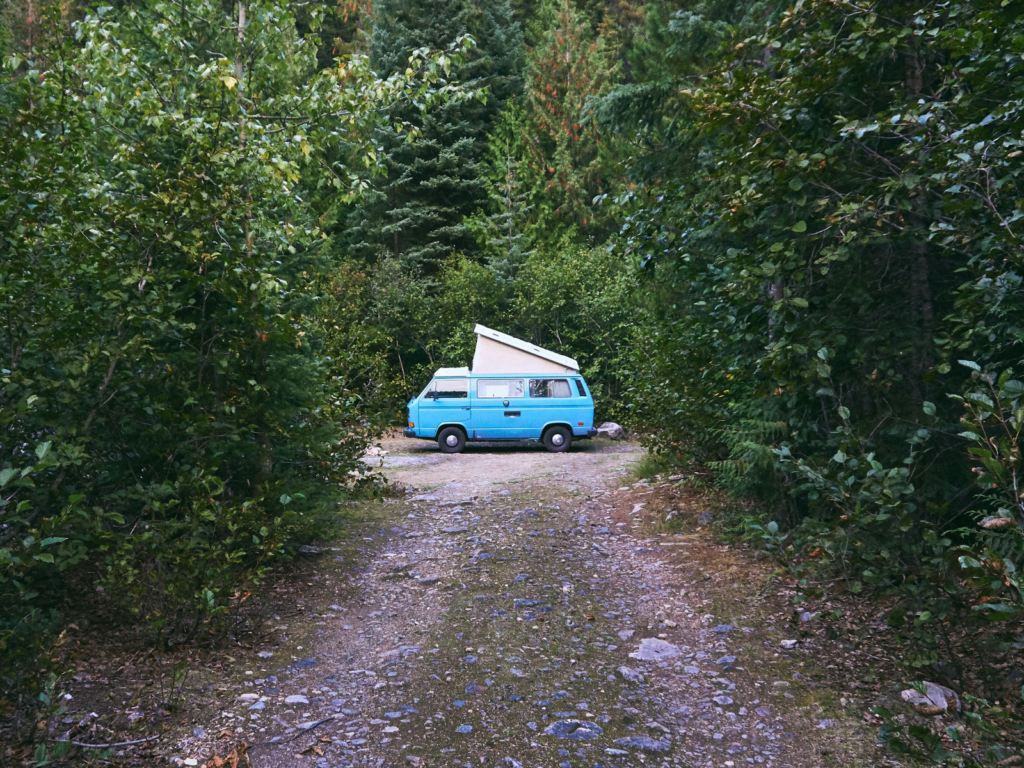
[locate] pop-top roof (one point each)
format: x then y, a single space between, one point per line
525 346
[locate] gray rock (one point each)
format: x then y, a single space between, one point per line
625 634
402 650
612 431
259 705
296 699
309 549
644 743
935 697
706 517
428 580
631 674
574 730
723 629
653 649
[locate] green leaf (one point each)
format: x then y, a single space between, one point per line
929 408
800 226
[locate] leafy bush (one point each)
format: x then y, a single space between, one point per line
166 411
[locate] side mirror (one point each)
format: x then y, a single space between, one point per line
431 395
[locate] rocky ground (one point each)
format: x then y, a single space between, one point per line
516 608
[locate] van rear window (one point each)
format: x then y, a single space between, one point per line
499 388
550 388
579 387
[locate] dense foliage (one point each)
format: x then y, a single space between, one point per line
169 422
783 241
836 266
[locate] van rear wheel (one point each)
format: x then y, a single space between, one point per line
451 440
557 439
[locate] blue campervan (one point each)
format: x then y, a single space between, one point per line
553 406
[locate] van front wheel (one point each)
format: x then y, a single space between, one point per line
451 440
557 439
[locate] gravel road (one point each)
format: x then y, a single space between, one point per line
508 611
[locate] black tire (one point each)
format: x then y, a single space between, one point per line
557 439
451 440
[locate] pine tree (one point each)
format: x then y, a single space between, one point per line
508 241
569 67
415 212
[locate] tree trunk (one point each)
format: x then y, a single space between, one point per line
922 314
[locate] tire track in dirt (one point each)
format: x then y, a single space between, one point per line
496 617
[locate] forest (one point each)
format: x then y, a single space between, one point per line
783 239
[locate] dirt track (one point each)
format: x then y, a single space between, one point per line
493 616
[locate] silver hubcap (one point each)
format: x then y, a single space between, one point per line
557 439
452 440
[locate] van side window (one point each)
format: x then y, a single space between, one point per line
441 388
579 387
499 388
550 388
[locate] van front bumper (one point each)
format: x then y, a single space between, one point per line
408 432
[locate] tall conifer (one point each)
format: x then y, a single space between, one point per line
415 212
569 66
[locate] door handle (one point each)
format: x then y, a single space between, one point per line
466 407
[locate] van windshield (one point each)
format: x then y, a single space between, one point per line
445 388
